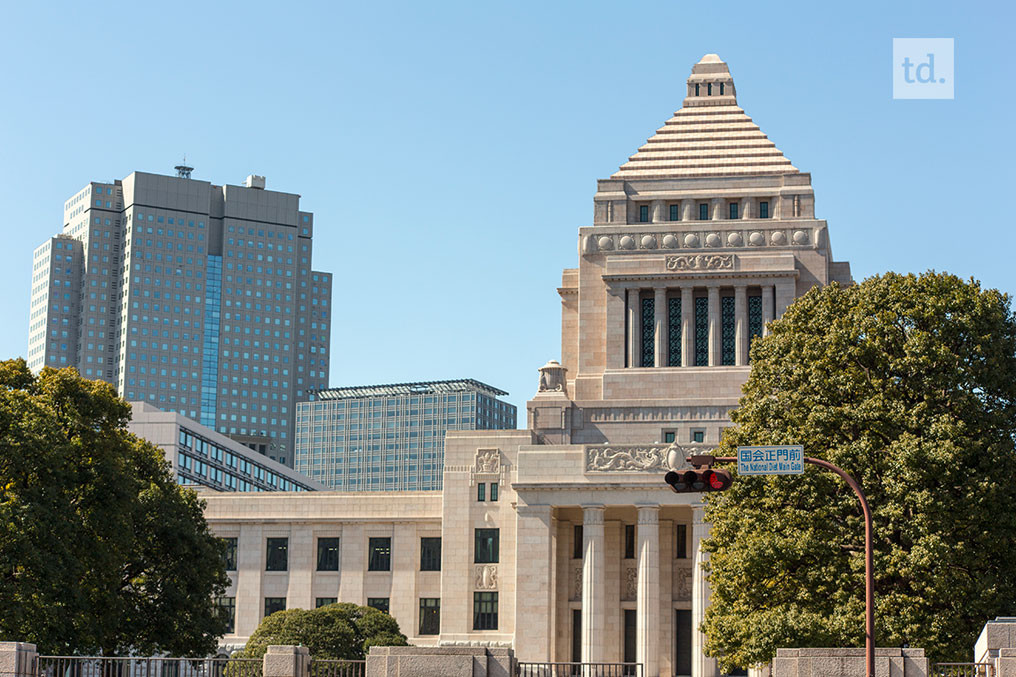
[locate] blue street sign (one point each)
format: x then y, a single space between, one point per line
785 459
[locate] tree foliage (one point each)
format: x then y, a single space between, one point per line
909 384
337 631
100 550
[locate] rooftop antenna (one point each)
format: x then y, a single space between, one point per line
182 170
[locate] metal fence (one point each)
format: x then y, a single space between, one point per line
337 668
579 670
97 666
962 670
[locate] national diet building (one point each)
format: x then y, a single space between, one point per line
562 540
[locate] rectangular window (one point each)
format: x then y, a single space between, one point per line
487 542
763 210
227 608
484 611
328 554
644 214
493 491
698 436
430 615
675 212
681 539
754 318
668 437
703 212
728 331
682 641
430 554
577 546
576 635
648 331
273 604
629 541
629 636
702 332
230 554
324 601
278 556
674 332
380 554
379 603
733 210
481 492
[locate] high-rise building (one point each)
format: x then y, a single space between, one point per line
391 437
192 297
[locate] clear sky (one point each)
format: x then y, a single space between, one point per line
450 151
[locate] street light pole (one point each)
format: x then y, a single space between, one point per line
869 580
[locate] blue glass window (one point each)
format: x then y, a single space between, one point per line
644 214
701 332
675 212
674 332
703 212
728 331
648 331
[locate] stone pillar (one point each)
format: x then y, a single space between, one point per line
688 210
616 347
302 554
660 305
534 589
717 209
701 665
594 610
746 208
634 328
657 209
741 325
17 659
687 326
715 327
785 291
768 313
647 642
286 661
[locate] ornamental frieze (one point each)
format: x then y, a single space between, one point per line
633 458
701 262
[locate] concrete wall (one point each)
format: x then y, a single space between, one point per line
889 662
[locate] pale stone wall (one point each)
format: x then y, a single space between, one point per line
889 662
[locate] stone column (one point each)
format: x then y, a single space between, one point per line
286 661
18 659
717 209
594 610
647 642
746 208
741 325
688 210
657 209
534 590
615 341
660 305
687 326
767 307
785 291
715 327
634 328
701 665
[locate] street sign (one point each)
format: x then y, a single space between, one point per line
787 459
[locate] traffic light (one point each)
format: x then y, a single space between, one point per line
698 480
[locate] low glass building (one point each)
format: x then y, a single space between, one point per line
391 437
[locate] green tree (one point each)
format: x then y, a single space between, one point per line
909 384
337 631
100 550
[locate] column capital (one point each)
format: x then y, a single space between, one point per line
648 514
592 514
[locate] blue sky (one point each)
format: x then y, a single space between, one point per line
450 151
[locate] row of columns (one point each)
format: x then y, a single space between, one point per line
719 208
662 326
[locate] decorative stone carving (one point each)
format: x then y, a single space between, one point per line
756 239
605 243
712 240
552 377
735 240
631 584
626 458
576 583
701 262
588 245
648 242
682 583
800 237
778 238
670 242
691 240
627 242
488 462
485 577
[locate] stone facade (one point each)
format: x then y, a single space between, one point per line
704 236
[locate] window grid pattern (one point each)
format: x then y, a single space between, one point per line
728 331
701 332
430 615
210 356
380 554
484 611
674 332
754 318
430 554
648 332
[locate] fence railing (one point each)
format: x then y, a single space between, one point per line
337 668
580 670
98 666
962 670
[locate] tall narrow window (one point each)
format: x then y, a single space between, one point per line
493 491
227 608
577 546
763 210
721 89
629 541
643 213
682 641
327 554
733 210
703 212
648 331
481 491
674 332
430 615
696 89
709 89
484 611
754 318
728 331
230 555
675 212
701 332
486 546
278 556
380 554
630 625
681 539
430 554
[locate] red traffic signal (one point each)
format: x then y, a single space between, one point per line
698 480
